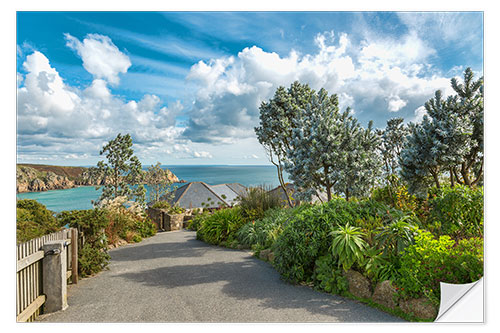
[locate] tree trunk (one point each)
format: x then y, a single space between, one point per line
474 183
436 179
347 194
452 182
465 175
282 183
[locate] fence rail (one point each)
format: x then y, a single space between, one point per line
29 287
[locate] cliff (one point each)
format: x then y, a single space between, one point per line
37 177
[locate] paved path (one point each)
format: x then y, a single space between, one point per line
172 277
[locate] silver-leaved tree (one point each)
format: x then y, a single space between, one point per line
331 151
449 141
277 124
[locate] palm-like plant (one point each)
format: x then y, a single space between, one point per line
398 235
348 245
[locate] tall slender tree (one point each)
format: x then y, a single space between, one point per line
121 172
277 124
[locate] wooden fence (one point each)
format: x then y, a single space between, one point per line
29 287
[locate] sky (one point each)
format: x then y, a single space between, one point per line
187 85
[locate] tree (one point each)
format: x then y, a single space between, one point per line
159 181
276 125
391 145
122 173
449 139
331 151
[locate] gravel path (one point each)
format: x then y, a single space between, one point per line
172 277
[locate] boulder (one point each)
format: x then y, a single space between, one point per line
384 294
359 286
270 257
421 308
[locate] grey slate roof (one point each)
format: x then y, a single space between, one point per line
193 194
291 189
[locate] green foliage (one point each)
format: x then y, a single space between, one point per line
456 211
168 208
397 236
93 256
308 236
256 201
221 226
348 245
264 232
91 260
197 220
122 172
377 266
33 220
431 261
158 181
328 276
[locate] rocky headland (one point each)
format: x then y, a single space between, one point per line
38 177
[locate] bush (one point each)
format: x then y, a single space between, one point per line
256 202
221 226
308 236
264 232
456 211
431 261
92 257
91 260
164 205
34 220
328 276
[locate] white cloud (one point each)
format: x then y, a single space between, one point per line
420 112
202 154
100 56
374 78
395 104
55 118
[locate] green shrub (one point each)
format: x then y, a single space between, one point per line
307 236
396 236
221 226
348 245
34 220
92 257
431 261
165 205
256 201
456 211
264 232
91 260
328 276
197 220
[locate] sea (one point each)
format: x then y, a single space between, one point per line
81 197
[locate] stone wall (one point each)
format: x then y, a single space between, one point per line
164 221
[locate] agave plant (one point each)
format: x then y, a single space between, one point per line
348 245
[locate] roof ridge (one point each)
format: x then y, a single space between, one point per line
210 189
187 188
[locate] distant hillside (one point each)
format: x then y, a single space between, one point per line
38 177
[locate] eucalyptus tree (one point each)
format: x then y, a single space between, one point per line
122 172
277 122
331 151
449 139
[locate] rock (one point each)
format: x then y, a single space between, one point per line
270 257
421 308
359 286
384 294
264 254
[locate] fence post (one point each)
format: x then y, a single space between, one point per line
54 276
74 256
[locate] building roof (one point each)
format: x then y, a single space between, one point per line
193 194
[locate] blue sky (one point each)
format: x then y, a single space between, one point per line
187 85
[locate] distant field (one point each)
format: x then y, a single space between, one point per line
69 171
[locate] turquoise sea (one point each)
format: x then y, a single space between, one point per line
81 197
